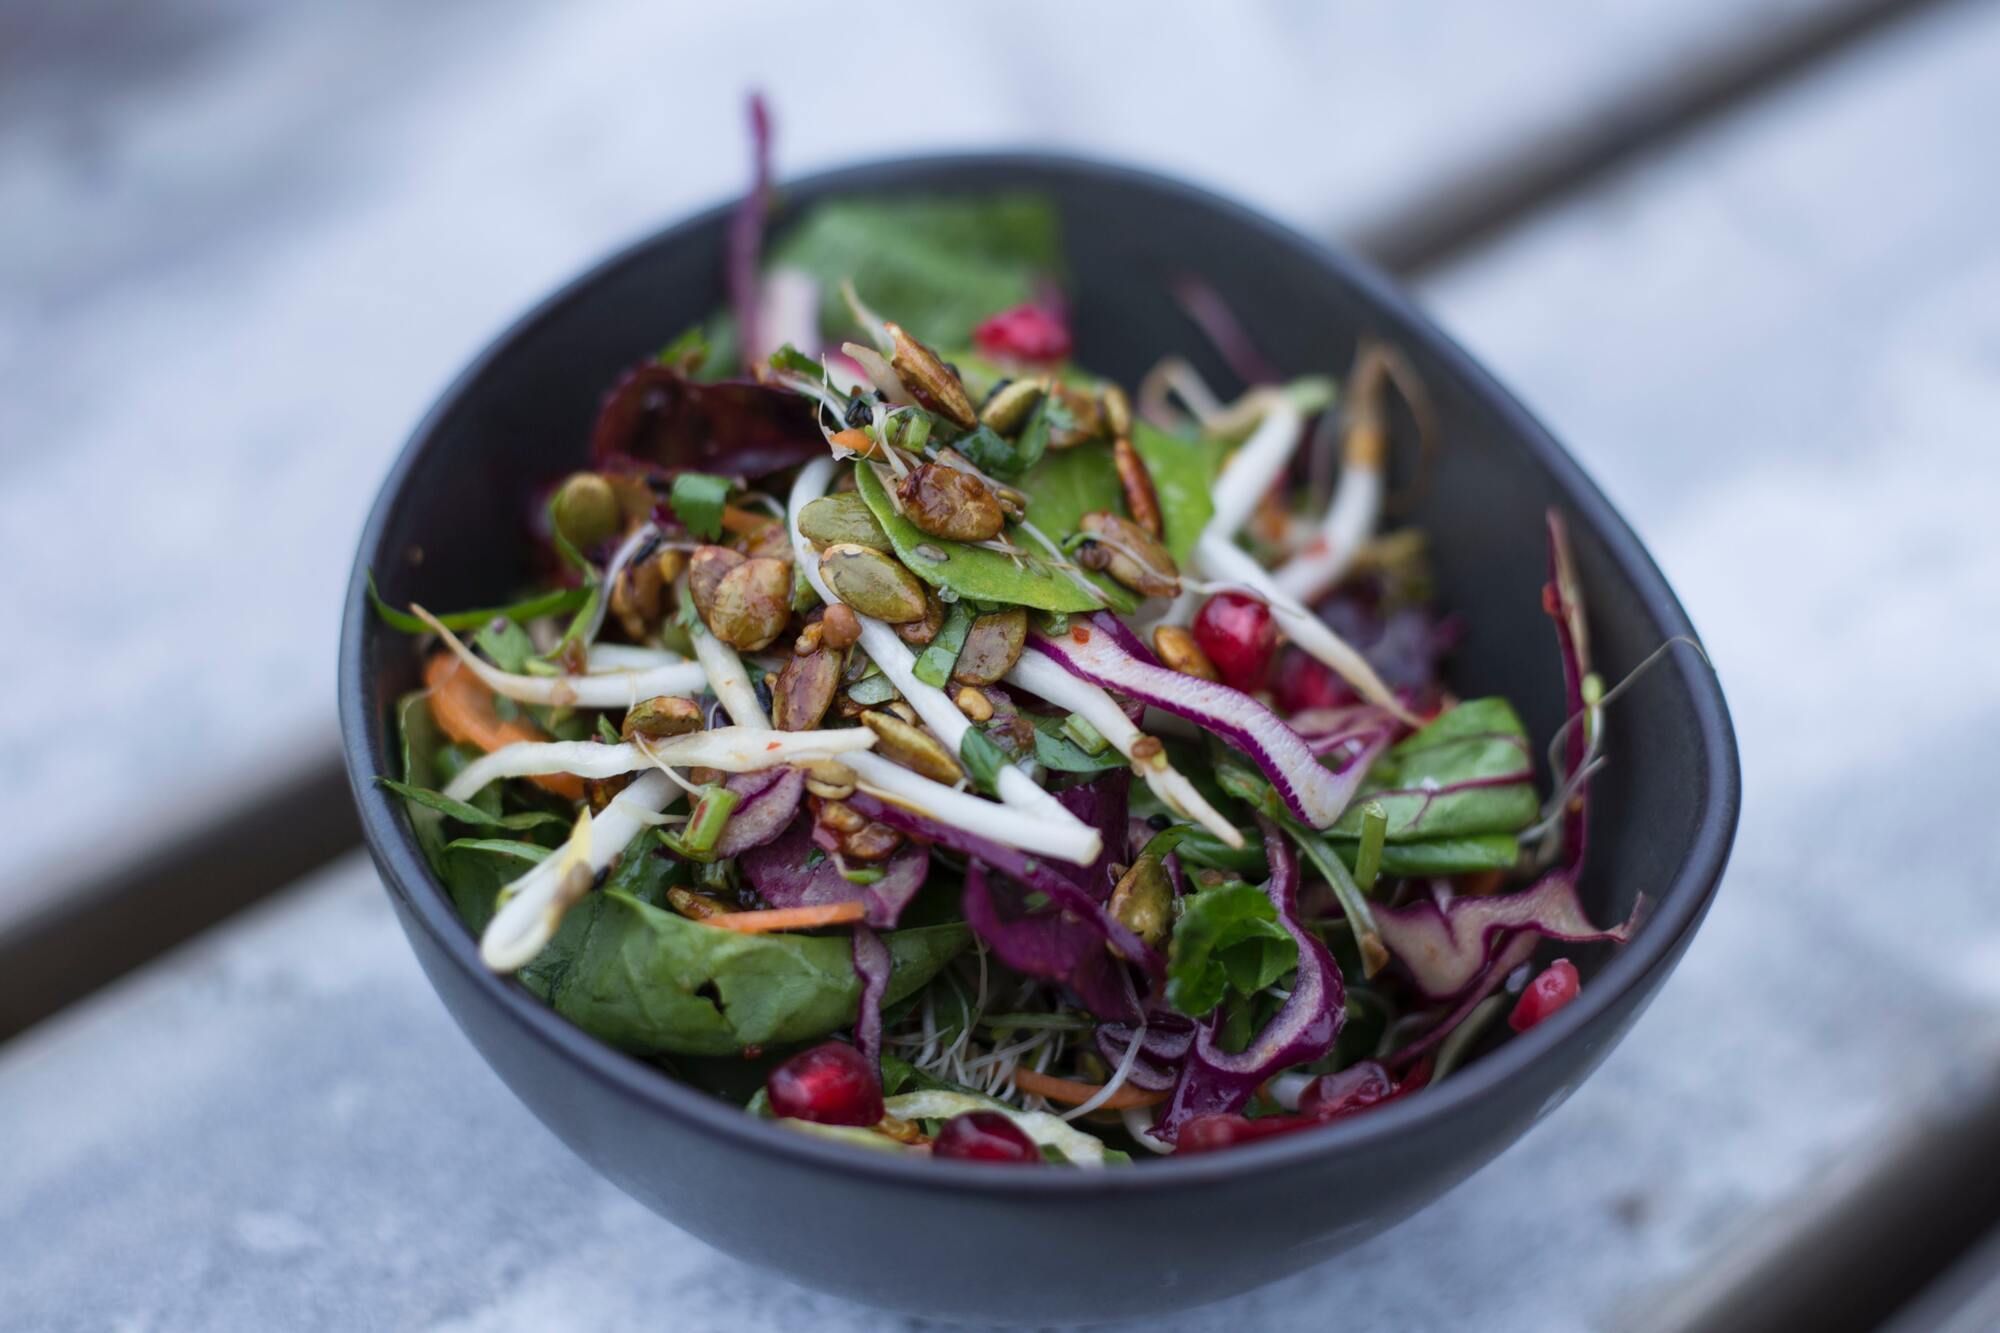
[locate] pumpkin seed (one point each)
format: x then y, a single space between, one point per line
804 690
921 631
1141 501
992 647
1143 901
1117 410
663 715
842 517
706 568
1129 555
872 583
1007 408
586 510
1178 650
752 603
913 748
947 503
933 382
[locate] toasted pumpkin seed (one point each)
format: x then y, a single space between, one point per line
913 747
842 517
1007 408
752 603
706 568
933 383
662 715
947 503
872 583
992 646
1129 555
1143 901
1141 501
1178 650
804 690
586 510
1117 410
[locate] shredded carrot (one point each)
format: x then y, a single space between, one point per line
1069 1090
462 703
743 522
790 918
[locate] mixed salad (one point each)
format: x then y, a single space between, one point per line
936 746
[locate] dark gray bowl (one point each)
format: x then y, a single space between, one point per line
960 1240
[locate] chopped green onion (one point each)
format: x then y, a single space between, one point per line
605 731
1088 738
983 760
934 667
1368 858
1374 954
705 823
861 874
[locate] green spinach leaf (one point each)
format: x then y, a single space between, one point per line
936 265
652 982
1449 780
1183 472
698 500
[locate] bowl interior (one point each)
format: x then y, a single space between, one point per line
449 531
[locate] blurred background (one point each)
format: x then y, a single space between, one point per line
1738 254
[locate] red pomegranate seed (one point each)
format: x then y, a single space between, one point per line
1303 681
984 1136
1025 333
831 1084
1354 1089
1239 636
1550 991
1206 1133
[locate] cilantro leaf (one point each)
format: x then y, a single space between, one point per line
1228 938
697 500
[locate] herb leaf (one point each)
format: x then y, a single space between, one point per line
468 814
541 604
1228 938
983 760
697 500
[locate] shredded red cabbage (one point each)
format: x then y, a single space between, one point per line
789 871
769 799
1054 942
1100 651
872 964
1447 946
1205 306
746 237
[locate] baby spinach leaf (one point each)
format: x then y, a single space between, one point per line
507 644
655 983
1068 484
1183 472
698 500
1452 778
1228 938
994 454
975 572
982 759
936 265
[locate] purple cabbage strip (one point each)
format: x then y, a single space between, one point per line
1562 598
1101 804
769 800
1309 790
1036 874
785 874
1214 1080
1511 955
746 236
1347 731
872 964
1168 1038
1447 947
1212 315
1058 944
658 423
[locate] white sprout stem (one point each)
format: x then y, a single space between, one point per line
620 558
1139 1124
1027 831
1350 520
619 689
1038 675
1285 1089
532 907
1220 558
1253 469
1063 563
933 705
610 657
727 676
731 749
881 374
1115 1082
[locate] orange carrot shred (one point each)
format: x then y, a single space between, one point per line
790 918
463 706
1069 1090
